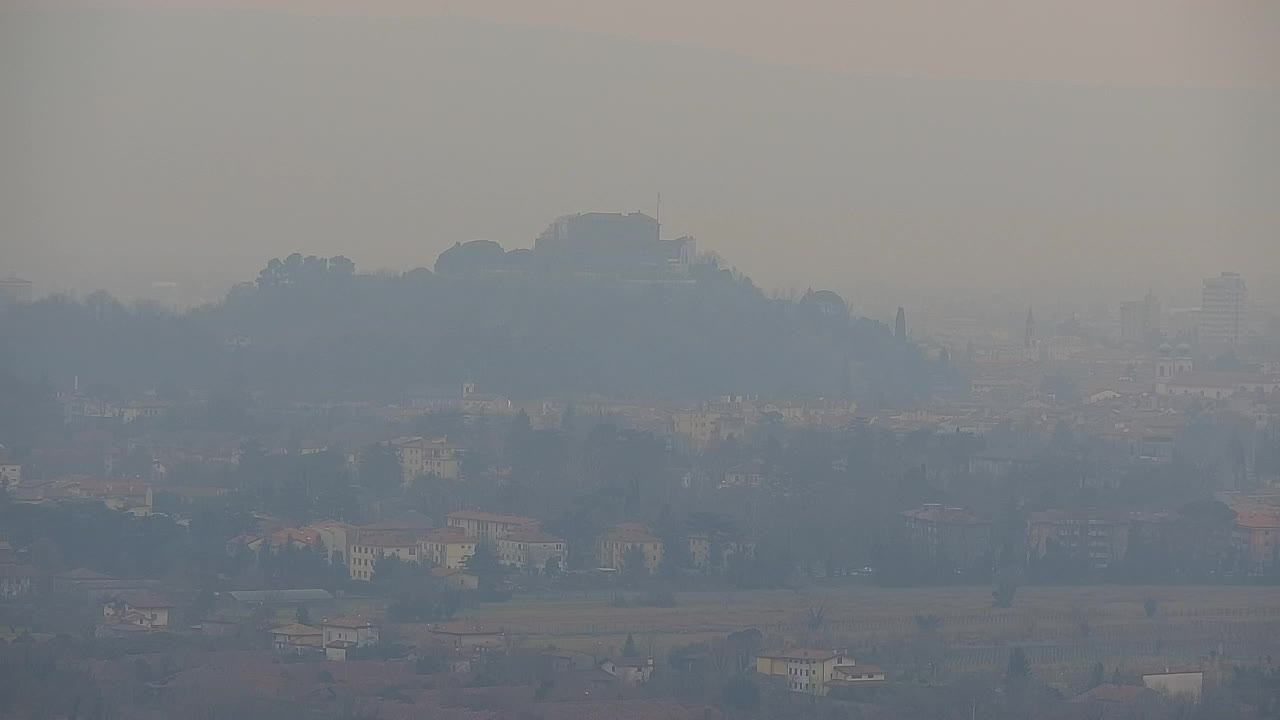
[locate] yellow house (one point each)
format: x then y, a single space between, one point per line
612 551
428 456
448 548
804 670
368 547
489 526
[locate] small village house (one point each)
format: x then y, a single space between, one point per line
630 670
341 635
297 639
146 609
455 579
804 670
615 543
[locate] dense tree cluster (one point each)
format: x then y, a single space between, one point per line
312 328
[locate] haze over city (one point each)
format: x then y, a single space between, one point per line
623 360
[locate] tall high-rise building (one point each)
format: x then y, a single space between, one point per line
1139 319
900 324
1224 307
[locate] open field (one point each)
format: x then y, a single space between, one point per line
1062 628
860 610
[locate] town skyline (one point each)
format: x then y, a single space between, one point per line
639 359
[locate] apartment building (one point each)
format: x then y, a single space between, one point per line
428 456
489 526
1099 538
952 536
448 547
1224 306
532 550
369 546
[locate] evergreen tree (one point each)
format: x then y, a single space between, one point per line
485 565
629 647
1018 668
380 468
634 568
1098 675
1005 590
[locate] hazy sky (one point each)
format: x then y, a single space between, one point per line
847 144
1180 42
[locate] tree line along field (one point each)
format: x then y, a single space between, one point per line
1062 629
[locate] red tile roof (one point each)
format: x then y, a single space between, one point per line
1257 519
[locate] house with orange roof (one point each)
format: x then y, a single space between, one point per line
1257 534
